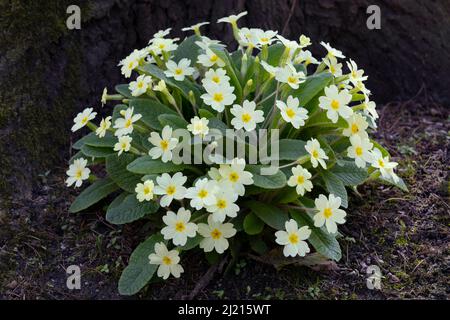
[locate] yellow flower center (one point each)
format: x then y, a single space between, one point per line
327 212
162 46
128 123
178 71
131 65
221 204
293 238
140 85
315 154
300 179
164 144
354 74
180 226
171 190
332 69
124 145
381 163
202 193
213 58
290 112
84 120
335 104
79 174
147 190
215 79
355 128
216 234
234 177
292 79
359 151
167 261
218 97
246 117
264 40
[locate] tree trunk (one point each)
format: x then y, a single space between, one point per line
48 73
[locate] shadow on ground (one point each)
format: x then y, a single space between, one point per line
405 234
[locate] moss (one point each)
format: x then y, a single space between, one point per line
33 115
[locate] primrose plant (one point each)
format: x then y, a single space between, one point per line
223 151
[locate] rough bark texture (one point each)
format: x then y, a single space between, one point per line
48 73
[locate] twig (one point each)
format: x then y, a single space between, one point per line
206 279
291 12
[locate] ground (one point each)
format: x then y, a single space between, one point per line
405 234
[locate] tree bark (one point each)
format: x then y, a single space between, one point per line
49 73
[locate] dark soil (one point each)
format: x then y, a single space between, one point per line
405 234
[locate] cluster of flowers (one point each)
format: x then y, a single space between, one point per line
217 193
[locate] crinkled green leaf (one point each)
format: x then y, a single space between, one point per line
252 224
275 181
349 173
269 214
93 194
130 209
147 165
335 186
116 167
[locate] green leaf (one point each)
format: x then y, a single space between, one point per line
172 120
130 209
93 194
252 224
116 167
203 113
400 184
324 242
188 49
147 165
124 90
384 152
335 186
275 181
150 111
109 140
275 52
289 149
97 152
313 85
269 214
349 173
139 270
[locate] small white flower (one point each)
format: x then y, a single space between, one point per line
163 144
104 96
218 96
128 65
336 103
170 187
300 179
160 45
144 191
288 74
385 166
178 228
334 67
293 239
205 42
265 37
140 86
304 41
123 145
246 116
317 153
235 174
124 125
77 172
168 261
198 126
370 109
105 124
360 150
160 34
269 68
179 71
306 57
357 125
290 45
215 235
329 212
195 27
202 194
83 118
224 205
232 18
332 52
209 59
161 86
355 75
215 77
292 113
